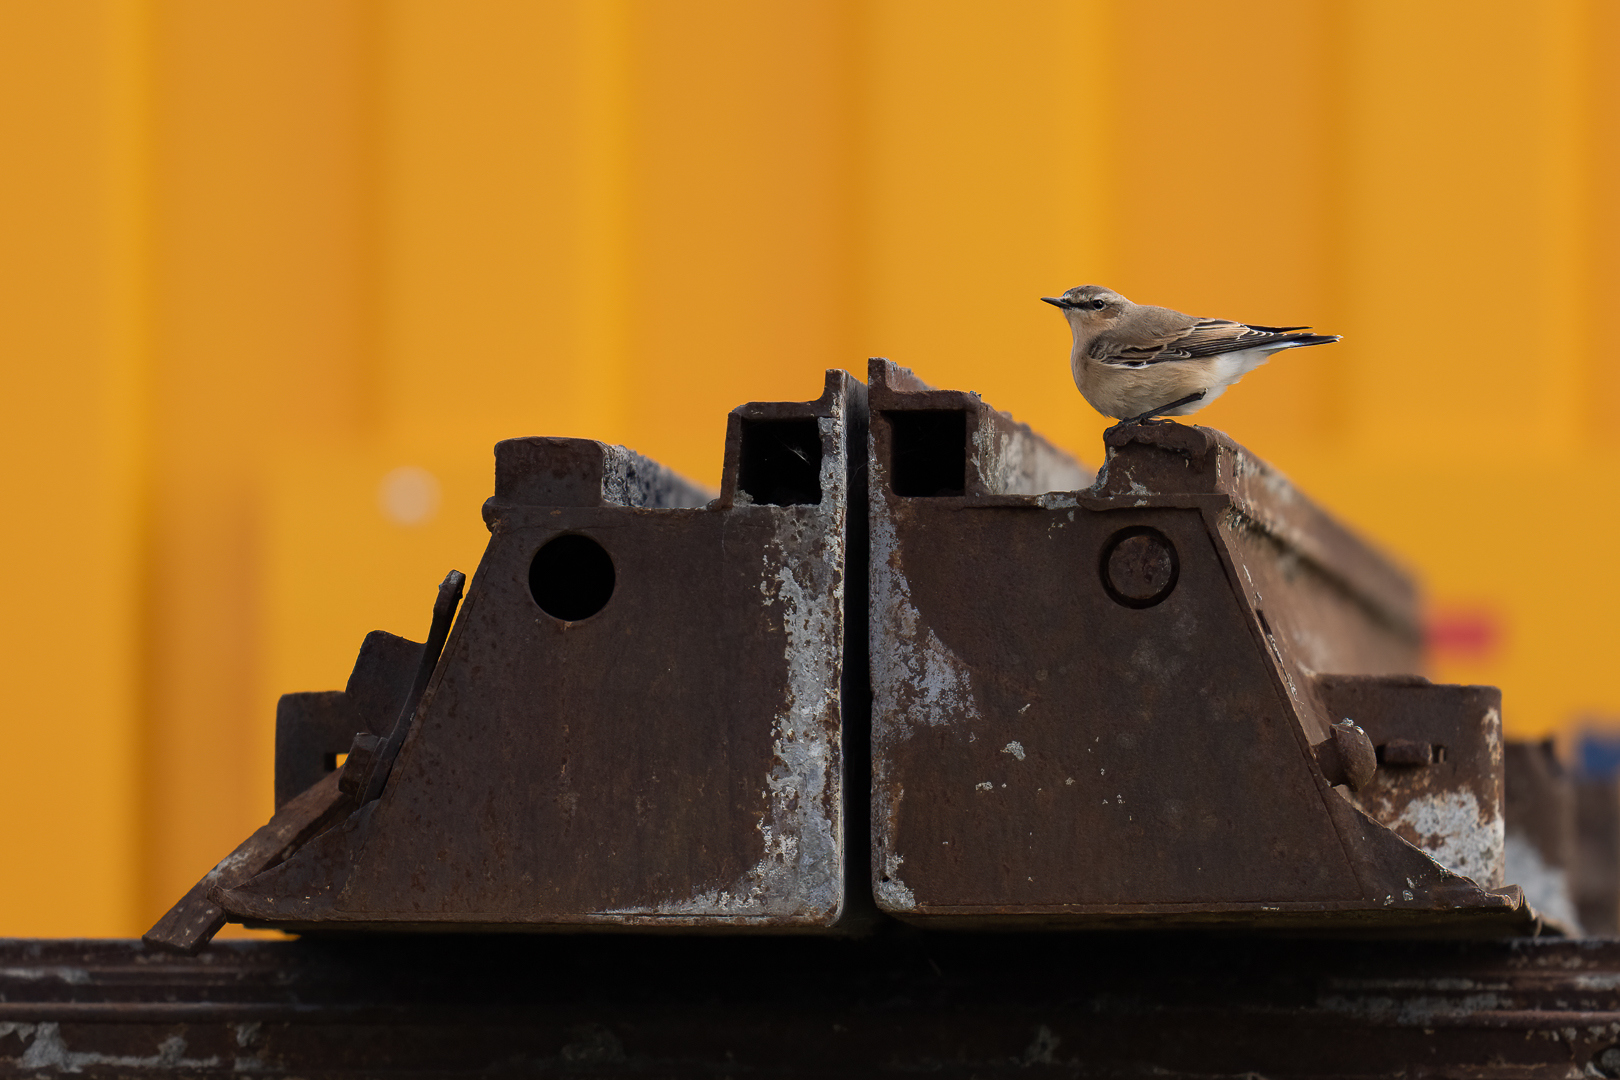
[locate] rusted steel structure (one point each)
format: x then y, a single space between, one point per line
1539 809
1173 698
1595 883
905 1003
1179 694
1172 692
637 721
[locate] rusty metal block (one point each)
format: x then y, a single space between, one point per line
1540 814
1596 878
638 718
1439 778
314 729
1100 705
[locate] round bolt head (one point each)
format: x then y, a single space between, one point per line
1348 757
1139 567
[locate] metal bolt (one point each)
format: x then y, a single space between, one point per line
1139 567
1407 752
1347 756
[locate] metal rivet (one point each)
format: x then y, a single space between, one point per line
1139 567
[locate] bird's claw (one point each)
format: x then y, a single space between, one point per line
1155 417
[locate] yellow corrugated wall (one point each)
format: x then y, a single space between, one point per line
256 256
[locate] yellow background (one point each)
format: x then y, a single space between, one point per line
256 254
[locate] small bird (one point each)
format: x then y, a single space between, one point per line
1135 362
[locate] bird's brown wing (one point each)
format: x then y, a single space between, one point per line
1198 338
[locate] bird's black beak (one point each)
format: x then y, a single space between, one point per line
1057 301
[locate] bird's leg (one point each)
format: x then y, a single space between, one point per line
1149 416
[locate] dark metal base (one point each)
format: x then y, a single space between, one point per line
901 1001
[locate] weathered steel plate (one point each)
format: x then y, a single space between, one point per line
314 729
1094 705
1539 812
1441 768
638 716
1596 872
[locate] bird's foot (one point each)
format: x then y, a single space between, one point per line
1155 417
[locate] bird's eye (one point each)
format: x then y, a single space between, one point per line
1098 305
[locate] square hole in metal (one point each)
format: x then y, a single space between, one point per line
779 462
928 452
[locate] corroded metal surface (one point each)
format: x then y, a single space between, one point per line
1102 704
1439 780
957 1005
637 719
1334 603
197 916
314 729
380 686
1596 884
1540 814
1170 692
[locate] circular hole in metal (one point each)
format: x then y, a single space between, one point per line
571 577
1139 567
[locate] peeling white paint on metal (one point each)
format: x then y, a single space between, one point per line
890 891
801 871
1013 460
916 680
1414 1011
1015 748
71 975
939 684
1001 457
1456 832
1546 887
47 1051
1492 723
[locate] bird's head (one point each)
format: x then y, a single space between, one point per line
1091 306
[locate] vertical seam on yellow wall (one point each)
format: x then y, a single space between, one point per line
131 83
1564 112
604 164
